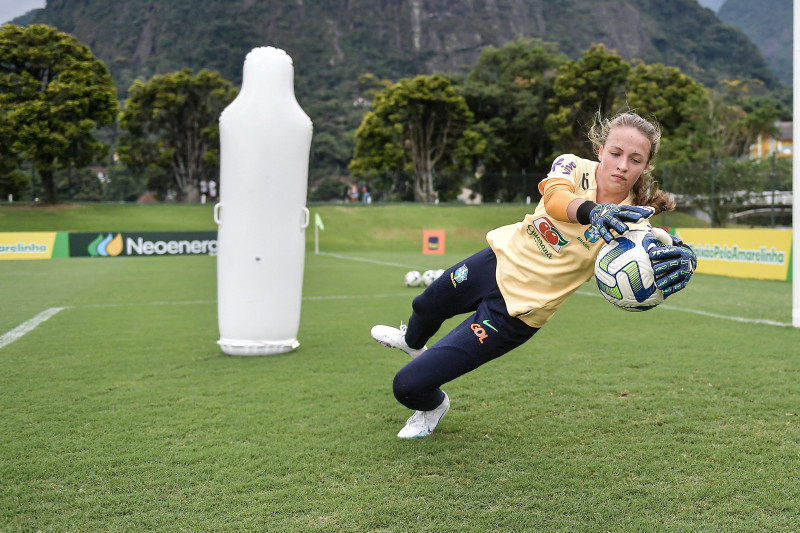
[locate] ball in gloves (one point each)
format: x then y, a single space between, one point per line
624 271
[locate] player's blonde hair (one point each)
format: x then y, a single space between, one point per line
645 190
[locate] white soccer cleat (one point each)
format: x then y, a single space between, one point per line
395 338
422 423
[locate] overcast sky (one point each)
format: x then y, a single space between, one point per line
11 9
713 5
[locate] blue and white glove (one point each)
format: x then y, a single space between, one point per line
605 217
672 265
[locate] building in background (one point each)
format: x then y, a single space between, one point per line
765 145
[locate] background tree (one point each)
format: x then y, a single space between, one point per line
328 189
662 93
54 93
171 129
12 179
335 123
508 91
706 160
593 83
674 100
415 125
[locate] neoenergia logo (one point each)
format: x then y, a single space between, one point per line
107 246
153 243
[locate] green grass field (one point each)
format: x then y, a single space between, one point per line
120 413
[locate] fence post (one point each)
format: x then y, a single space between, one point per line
664 188
772 185
711 199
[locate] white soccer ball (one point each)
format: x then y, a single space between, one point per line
413 278
624 273
438 273
428 277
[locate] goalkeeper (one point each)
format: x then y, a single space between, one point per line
516 284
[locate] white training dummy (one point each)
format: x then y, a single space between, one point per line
265 141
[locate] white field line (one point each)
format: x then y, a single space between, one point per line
364 260
25 327
706 313
207 302
145 304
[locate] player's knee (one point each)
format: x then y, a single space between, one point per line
400 388
424 305
405 390
418 303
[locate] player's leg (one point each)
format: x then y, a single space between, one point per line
484 336
458 290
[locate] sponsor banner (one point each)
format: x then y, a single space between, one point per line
741 253
33 245
129 244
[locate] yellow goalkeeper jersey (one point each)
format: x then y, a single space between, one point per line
542 260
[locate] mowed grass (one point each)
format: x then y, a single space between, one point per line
120 413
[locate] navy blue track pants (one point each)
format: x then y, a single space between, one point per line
469 286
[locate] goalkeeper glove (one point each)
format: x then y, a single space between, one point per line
672 265
605 217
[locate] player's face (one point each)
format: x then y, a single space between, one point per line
623 159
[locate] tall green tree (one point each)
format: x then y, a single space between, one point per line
416 125
171 129
508 90
12 179
595 82
663 93
676 101
54 94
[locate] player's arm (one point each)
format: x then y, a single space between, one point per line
558 188
558 195
563 204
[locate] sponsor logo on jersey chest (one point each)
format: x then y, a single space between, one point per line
550 233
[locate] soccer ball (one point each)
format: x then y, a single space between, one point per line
438 273
624 272
413 278
428 277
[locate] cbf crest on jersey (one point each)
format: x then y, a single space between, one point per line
590 236
459 275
